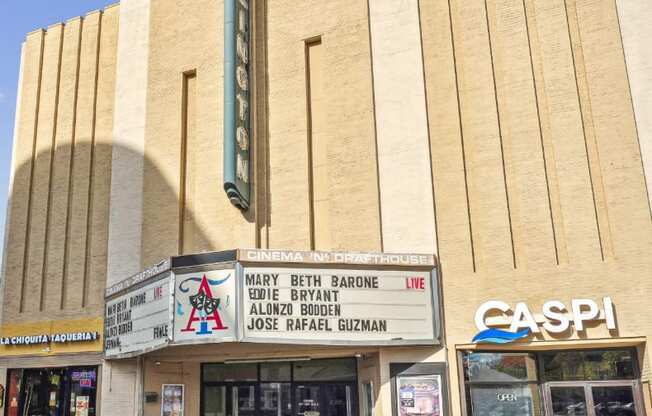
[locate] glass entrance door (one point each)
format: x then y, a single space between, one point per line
592 399
308 400
614 400
568 401
325 399
230 400
274 399
243 400
324 387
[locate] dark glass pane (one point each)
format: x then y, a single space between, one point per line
325 370
613 401
275 399
609 365
563 366
588 365
244 400
231 372
499 367
215 401
42 393
505 400
275 372
568 401
338 400
307 399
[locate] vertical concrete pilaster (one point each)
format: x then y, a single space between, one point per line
126 213
407 207
636 32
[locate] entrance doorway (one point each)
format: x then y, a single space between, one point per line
299 388
592 399
589 382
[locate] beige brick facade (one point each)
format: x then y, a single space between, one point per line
508 137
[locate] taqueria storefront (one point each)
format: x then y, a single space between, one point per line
265 332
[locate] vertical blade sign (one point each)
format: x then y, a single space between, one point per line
237 178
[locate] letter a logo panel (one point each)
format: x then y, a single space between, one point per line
205 306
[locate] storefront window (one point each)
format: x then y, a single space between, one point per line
568 383
275 399
501 384
275 371
82 392
230 372
505 400
214 400
500 367
588 365
324 370
52 392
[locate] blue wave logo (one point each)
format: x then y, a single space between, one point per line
498 336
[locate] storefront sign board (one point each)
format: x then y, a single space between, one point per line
555 317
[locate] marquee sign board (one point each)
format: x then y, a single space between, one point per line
337 306
269 296
138 320
237 180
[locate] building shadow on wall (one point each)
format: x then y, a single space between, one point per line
57 229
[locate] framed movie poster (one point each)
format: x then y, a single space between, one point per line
419 389
419 395
172 400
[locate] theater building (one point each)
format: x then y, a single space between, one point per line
382 207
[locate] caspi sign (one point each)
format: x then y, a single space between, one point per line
237 182
554 318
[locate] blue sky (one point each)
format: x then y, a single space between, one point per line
17 18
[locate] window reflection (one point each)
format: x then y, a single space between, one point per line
505 400
275 371
568 401
610 401
502 384
230 372
588 365
325 370
500 367
275 399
